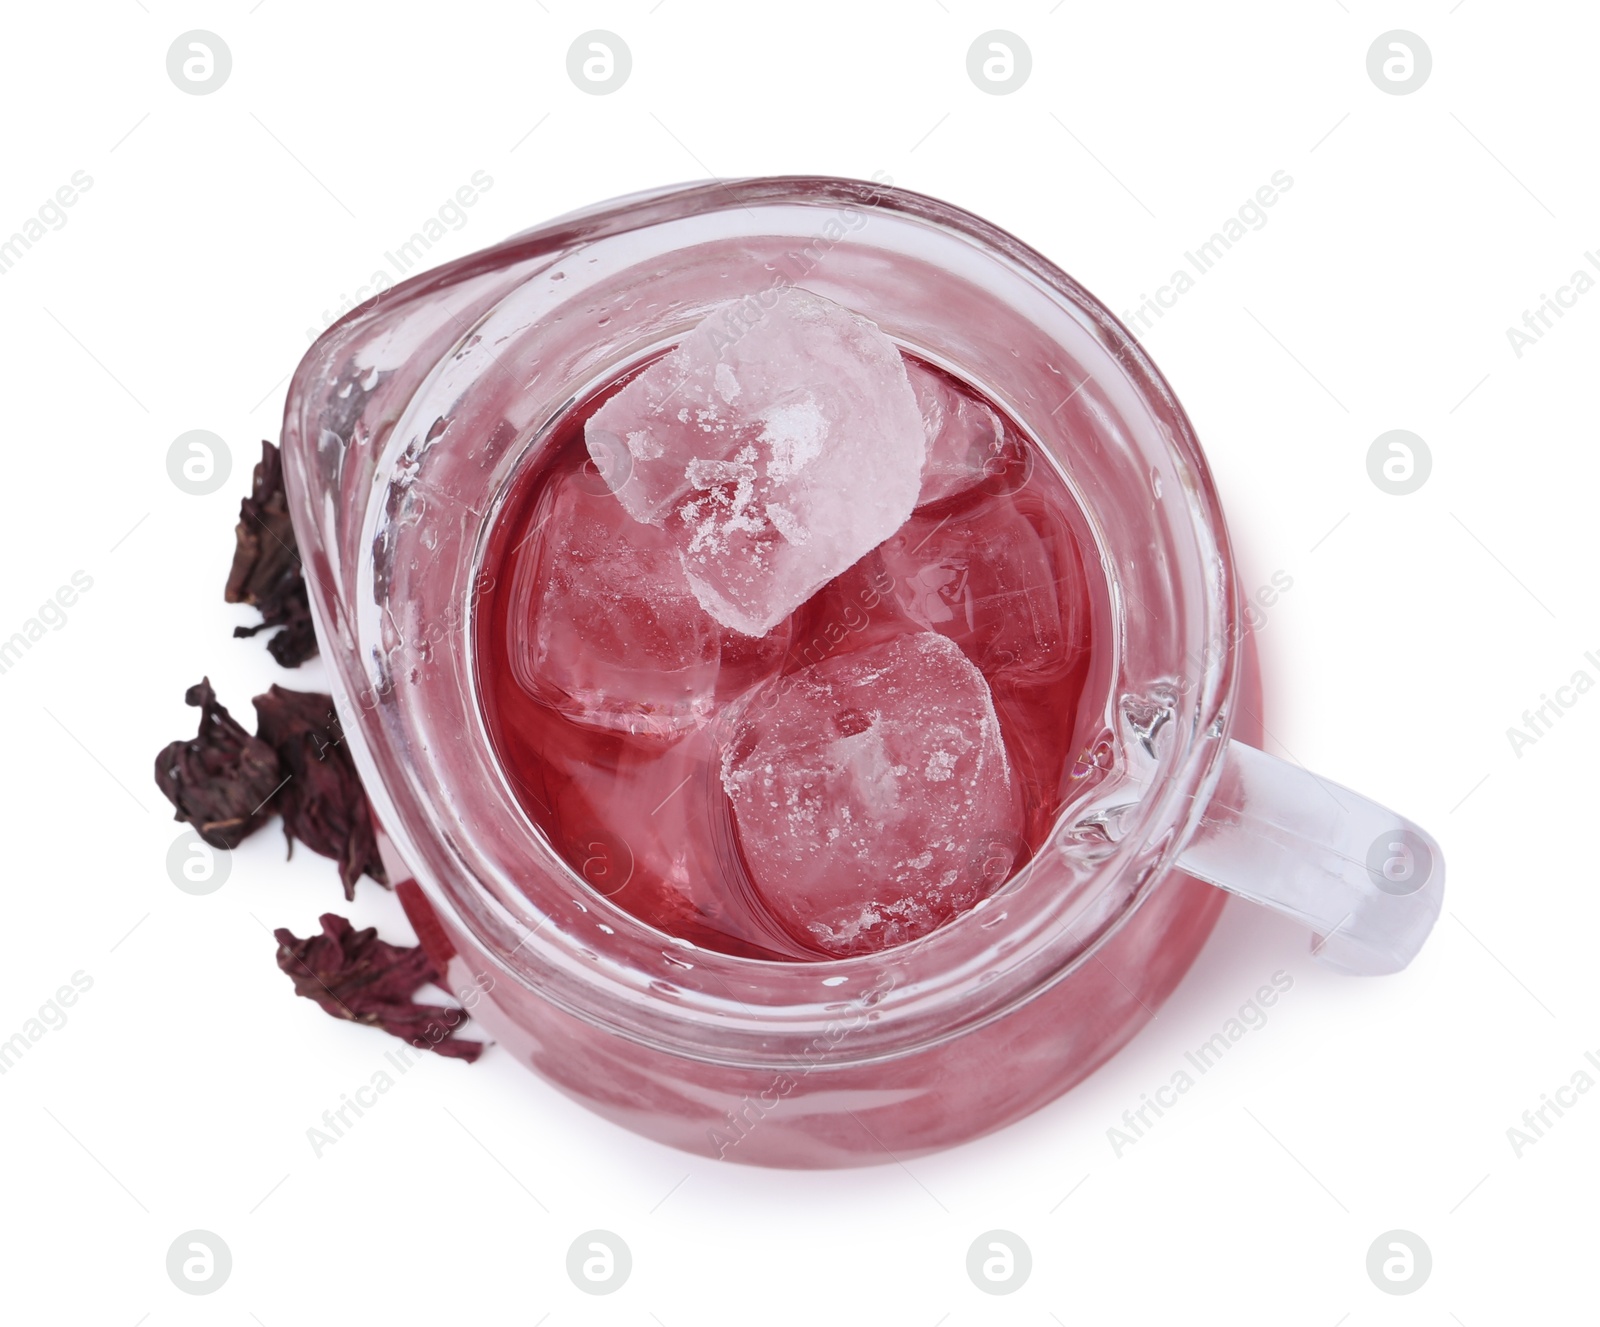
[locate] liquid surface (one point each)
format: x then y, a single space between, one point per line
714 784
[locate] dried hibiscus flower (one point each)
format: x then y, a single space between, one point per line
323 803
221 779
266 571
353 974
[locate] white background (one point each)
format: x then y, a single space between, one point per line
179 295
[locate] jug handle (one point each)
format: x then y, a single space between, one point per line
1368 882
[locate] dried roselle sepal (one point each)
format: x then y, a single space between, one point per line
266 571
352 974
221 779
323 803
297 642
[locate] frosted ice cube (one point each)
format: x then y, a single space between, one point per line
609 632
868 792
985 578
967 443
773 455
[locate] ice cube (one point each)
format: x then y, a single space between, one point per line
609 633
967 443
645 825
773 453
985 578
868 792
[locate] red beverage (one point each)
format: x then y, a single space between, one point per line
616 706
